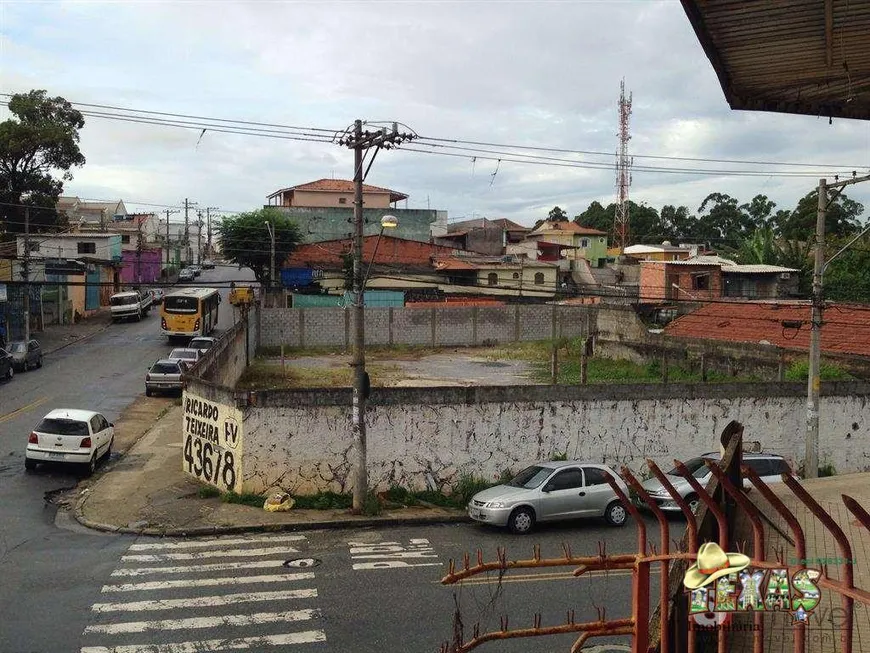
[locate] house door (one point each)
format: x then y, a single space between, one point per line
92 290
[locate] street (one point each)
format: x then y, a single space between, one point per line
69 590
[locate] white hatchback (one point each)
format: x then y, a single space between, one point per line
71 436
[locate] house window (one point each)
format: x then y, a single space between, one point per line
342 200
701 282
86 248
492 279
125 239
584 242
539 278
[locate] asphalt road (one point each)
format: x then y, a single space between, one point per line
49 574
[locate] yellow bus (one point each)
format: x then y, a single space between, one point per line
189 312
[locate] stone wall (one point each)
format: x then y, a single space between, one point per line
301 440
447 326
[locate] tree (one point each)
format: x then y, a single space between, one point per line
760 247
677 223
726 223
557 214
846 277
40 140
645 226
759 210
245 240
596 217
841 218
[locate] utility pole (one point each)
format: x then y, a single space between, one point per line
360 142
208 211
811 456
168 212
26 274
138 251
187 205
199 237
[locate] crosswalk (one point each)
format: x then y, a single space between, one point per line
217 594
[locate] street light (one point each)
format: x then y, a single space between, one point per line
360 377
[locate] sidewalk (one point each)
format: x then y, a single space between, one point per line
57 337
146 492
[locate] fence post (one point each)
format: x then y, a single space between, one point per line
780 370
554 364
704 368
664 366
516 322
584 360
474 325
390 325
433 318
302 328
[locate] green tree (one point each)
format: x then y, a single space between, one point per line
557 214
760 210
841 218
677 223
596 217
760 247
726 223
245 240
847 278
644 223
40 140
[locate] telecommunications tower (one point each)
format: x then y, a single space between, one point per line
623 172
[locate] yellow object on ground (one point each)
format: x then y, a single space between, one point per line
279 502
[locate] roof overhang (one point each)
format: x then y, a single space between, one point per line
807 57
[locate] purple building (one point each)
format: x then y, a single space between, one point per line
149 262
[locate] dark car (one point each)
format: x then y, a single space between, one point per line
7 370
26 355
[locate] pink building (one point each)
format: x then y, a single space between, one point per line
149 263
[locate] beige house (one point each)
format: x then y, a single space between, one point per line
579 241
331 193
92 212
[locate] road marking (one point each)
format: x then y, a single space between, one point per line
204 601
220 566
205 582
240 643
194 544
201 555
23 409
254 619
391 555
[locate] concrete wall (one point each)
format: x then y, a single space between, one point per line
225 362
319 224
333 327
301 440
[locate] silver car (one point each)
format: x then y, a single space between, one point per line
550 491
186 354
164 376
768 466
26 355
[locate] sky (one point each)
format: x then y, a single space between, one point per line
531 74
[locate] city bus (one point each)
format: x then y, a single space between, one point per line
189 312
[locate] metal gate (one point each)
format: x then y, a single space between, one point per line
92 290
670 630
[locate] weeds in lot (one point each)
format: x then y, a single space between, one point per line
267 375
208 492
799 370
324 501
246 499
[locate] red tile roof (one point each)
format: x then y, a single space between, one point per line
573 227
509 225
391 251
340 186
845 328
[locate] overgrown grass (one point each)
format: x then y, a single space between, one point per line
269 376
208 492
246 499
400 351
799 371
324 501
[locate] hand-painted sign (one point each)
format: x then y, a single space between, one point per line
212 444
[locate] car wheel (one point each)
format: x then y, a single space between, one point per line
10 373
108 453
91 465
148 392
616 514
29 464
521 521
39 362
694 503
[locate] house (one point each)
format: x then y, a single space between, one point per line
483 235
323 209
753 281
503 275
132 228
663 281
663 252
578 241
173 236
102 213
845 328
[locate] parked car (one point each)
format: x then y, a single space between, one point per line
242 295
196 269
25 354
551 490
7 370
66 435
208 264
203 343
186 274
157 295
186 354
165 376
768 466
131 304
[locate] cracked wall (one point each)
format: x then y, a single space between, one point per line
305 445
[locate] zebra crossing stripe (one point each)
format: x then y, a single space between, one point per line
202 555
205 582
254 619
219 566
238 644
199 544
204 601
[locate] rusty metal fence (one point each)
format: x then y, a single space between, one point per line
670 629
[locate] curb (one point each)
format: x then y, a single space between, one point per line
332 524
72 342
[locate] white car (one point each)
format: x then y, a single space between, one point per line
68 435
186 355
203 343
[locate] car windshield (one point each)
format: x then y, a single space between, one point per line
181 305
18 347
696 467
165 368
530 477
183 353
123 300
58 426
200 344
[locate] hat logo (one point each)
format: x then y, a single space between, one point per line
713 563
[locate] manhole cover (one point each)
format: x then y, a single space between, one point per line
302 562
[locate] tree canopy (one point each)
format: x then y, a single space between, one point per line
40 140
245 240
557 214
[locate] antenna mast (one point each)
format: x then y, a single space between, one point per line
623 172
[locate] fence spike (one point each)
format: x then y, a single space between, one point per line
566 548
504 622
475 632
479 557
536 552
536 620
501 554
571 617
466 561
451 567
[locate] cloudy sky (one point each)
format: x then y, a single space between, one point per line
542 74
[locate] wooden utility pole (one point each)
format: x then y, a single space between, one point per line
26 274
360 142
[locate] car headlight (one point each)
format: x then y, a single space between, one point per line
496 504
